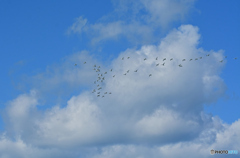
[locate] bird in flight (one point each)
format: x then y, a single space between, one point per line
196 59
125 74
127 71
221 61
150 75
128 57
164 59
183 59
180 65
110 93
157 64
163 64
98 95
94 65
122 58
156 58
135 70
75 64
85 62
111 70
145 59
200 57
190 60
208 55
171 59
105 72
113 75
235 58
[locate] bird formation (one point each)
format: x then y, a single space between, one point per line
101 75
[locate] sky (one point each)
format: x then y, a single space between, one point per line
167 108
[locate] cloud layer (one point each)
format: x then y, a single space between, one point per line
157 116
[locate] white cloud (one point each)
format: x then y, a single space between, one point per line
161 115
139 22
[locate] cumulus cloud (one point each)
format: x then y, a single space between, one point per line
140 22
157 116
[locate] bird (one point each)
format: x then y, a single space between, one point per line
235 58
98 92
190 60
125 74
135 70
122 58
180 65
105 93
157 64
85 62
111 70
94 65
98 66
98 95
150 75
208 55
113 75
105 72
196 59
164 59
145 59
128 57
94 69
171 59
75 64
110 93
183 59
225 56
102 96
127 71
99 88
200 57
163 64
156 58
98 85
94 82
221 61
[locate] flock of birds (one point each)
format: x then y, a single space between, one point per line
101 75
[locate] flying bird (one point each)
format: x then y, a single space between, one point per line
113 75
125 74
111 70
135 70
85 62
183 59
110 93
235 58
94 65
208 55
145 59
157 64
196 59
171 59
105 72
122 58
163 64
128 57
75 64
164 59
98 95
156 58
150 75
190 60
200 57
127 71
180 65
221 61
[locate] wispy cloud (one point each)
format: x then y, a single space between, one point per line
139 22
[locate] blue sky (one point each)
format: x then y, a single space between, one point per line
41 41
